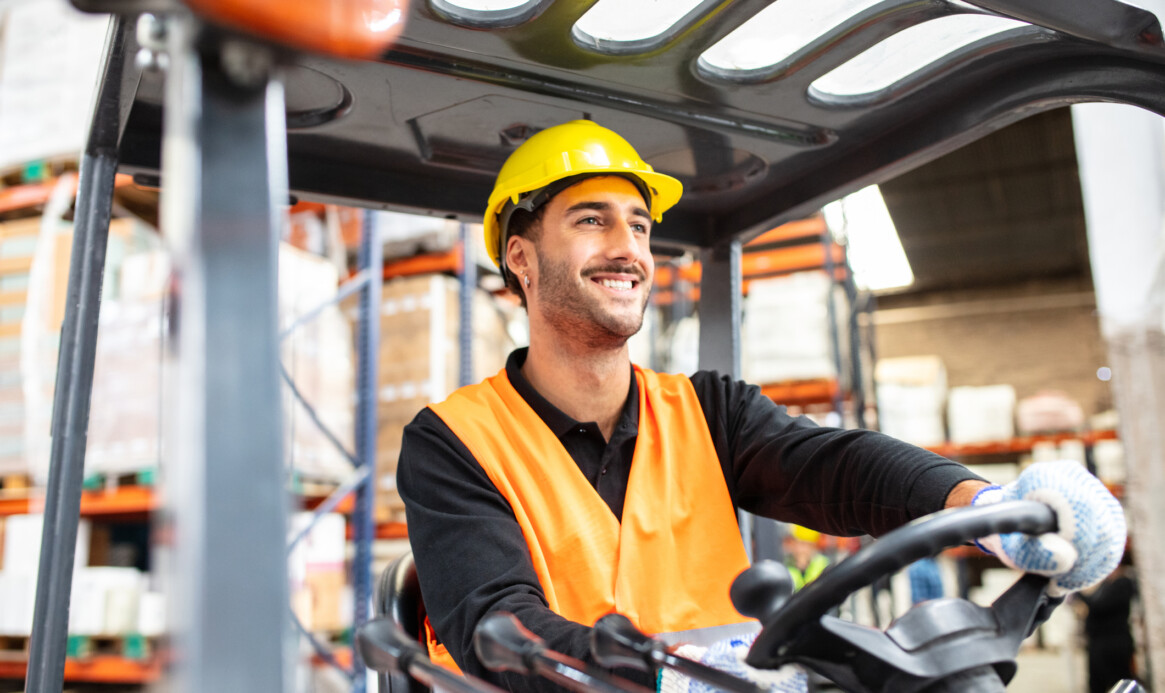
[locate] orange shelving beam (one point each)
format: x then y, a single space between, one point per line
36 194
449 261
97 669
1017 445
123 500
802 392
803 229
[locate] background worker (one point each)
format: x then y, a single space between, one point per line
803 555
573 483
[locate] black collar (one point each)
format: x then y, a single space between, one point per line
555 419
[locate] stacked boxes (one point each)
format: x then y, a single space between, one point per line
316 568
981 414
420 359
785 335
317 355
911 394
21 560
18 246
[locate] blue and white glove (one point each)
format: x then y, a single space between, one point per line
1091 538
728 655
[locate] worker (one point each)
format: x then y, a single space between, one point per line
803 555
574 483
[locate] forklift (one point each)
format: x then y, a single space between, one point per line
233 108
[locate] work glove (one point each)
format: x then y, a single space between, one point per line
1091 538
728 655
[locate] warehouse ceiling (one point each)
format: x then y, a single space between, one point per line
1002 210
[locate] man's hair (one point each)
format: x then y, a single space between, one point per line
525 225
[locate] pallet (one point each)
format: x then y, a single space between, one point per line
133 647
102 481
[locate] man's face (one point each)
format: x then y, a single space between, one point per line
593 260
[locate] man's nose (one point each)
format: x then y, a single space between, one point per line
624 243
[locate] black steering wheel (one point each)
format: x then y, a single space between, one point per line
938 646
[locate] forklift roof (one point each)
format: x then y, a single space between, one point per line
765 110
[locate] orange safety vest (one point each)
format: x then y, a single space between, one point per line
668 565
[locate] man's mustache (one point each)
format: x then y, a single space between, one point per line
634 270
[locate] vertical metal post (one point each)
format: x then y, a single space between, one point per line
368 353
74 384
831 315
721 289
858 379
222 525
468 286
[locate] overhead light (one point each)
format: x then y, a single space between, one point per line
874 249
910 51
777 32
630 22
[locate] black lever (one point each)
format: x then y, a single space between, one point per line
615 642
504 644
762 590
385 647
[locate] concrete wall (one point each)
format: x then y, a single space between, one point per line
1035 336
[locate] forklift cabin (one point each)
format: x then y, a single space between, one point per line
766 110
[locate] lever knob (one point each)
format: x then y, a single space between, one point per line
760 591
504 644
616 642
386 647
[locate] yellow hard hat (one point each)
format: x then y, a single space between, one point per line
804 534
564 151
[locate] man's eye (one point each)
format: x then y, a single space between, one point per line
589 220
641 228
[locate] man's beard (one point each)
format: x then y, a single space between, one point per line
579 314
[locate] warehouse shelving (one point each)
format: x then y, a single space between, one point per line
804 245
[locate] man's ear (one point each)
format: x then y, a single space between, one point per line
518 255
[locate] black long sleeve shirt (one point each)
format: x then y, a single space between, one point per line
471 556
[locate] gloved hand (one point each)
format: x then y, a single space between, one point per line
1091 538
728 655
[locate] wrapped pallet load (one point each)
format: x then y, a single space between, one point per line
912 392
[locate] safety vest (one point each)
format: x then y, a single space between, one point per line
813 570
668 565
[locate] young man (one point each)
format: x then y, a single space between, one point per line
573 483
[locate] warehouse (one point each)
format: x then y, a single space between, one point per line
309 315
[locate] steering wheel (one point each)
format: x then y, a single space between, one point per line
938 646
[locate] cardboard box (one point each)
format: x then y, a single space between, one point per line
419 359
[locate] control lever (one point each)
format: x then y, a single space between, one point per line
385 647
616 642
762 590
504 644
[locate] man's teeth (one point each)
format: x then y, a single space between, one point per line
623 284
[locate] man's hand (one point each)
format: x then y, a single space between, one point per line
1092 534
728 655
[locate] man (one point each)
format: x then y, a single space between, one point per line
573 483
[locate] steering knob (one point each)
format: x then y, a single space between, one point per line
385 645
616 642
762 590
502 643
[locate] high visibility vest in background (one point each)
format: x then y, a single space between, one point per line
813 570
669 565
